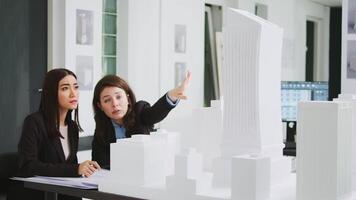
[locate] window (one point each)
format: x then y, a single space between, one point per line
109 30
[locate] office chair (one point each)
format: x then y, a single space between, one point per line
8 168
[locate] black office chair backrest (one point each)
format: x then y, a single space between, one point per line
8 167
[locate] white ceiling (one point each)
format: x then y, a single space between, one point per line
332 3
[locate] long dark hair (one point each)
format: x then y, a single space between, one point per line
102 122
49 105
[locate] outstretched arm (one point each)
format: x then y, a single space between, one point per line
151 115
178 92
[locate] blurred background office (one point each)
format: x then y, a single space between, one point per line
151 43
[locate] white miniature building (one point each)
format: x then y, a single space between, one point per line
140 164
251 89
324 150
252 85
189 178
143 166
202 130
208 128
251 178
172 140
351 98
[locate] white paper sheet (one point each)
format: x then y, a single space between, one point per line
82 183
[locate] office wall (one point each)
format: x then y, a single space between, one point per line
189 14
64 50
139 46
348 48
292 15
146 45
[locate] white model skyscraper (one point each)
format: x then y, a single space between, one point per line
251 84
351 98
251 89
324 150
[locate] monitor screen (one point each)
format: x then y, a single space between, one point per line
294 91
320 91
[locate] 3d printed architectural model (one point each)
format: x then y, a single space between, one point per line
351 98
244 131
252 109
251 177
324 150
251 125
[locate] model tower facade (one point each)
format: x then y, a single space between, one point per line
251 85
324 150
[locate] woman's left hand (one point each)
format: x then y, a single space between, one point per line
178 92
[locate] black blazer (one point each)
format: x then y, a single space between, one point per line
146 117
41 155
38 154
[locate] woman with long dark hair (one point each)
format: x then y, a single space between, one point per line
117 114
49 142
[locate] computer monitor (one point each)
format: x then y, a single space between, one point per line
320 91
294 91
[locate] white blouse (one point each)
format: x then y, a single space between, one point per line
65 143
